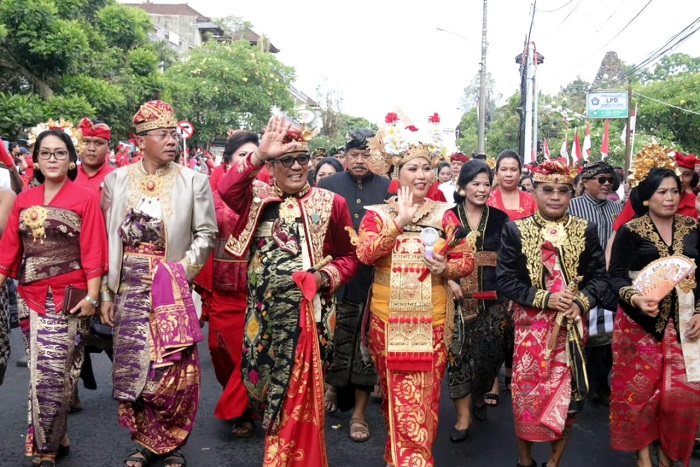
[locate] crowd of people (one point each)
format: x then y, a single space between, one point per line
326 279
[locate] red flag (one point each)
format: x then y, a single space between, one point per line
605 145
547 154
587 143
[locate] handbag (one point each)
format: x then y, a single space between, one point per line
72 296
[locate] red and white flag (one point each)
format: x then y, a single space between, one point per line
605 145
545 149
576 148
633 121
587 143
563 152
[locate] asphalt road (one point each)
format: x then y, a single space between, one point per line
99 441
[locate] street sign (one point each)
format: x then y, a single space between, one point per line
606 104
185 128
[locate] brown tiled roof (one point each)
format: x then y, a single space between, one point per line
175 9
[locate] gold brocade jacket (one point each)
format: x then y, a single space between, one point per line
187 207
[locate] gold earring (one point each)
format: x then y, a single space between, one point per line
461 193
645 204
71 166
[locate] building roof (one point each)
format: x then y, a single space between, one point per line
174 9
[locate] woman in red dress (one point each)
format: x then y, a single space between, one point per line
518 204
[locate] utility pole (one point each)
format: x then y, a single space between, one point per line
483 102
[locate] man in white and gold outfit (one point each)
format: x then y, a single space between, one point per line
161 224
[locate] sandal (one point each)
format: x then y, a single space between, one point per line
175 458
491 396
359 430
479 412
143 456
243 428
330 399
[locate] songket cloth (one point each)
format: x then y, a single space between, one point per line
541 383
284 352
651 396
158 401
54 345
411 400
408 336
537 258
481 326
4 328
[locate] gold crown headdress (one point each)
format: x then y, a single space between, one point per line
555 171
399 141
651 156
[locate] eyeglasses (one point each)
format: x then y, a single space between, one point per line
59 155
289 160
161 136
603 180
549 191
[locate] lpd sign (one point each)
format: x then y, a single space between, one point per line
606 104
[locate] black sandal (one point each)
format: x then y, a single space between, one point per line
175 458
47 463
146 458
63 451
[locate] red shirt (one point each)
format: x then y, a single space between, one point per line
686 207
528 206
93 182
93 244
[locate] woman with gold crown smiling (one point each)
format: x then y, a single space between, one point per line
55 238
656 352
415 246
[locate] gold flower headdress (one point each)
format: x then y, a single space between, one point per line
651 156
399 141
61 125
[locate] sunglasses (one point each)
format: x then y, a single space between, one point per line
289 160
549 191
603 180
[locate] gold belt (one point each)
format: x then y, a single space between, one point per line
485 258
384 278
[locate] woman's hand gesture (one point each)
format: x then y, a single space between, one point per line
406 207
647 305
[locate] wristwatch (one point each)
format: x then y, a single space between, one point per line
325 280
92 301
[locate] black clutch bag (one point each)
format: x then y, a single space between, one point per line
72 297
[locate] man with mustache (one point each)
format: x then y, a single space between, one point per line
350 376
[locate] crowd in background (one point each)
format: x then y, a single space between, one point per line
328 276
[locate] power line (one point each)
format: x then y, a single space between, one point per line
614 37
660 51
556 9
667 104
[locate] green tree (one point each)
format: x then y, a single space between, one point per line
75 58
224 85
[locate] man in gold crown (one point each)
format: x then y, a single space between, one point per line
161 226
552 267
297 240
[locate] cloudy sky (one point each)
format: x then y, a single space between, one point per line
383 54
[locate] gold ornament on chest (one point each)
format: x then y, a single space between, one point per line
289 210
554 233
34 218
152 186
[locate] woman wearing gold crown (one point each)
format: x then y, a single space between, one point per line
55 238
412 242
655 392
